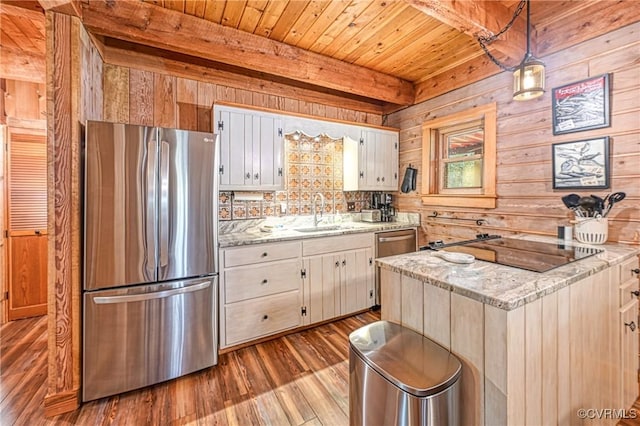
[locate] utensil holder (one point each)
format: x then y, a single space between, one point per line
591 230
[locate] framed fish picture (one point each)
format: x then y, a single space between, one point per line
583 105
581 164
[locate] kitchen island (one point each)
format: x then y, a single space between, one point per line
535 347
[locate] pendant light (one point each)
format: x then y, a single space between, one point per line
528 78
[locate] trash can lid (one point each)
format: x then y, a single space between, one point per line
407 359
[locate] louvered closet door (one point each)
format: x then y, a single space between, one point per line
27 224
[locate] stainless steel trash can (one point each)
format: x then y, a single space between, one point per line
399 377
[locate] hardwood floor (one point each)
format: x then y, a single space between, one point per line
297 379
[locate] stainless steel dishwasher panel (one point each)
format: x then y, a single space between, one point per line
138 336
391 243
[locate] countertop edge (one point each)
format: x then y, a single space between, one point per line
556 284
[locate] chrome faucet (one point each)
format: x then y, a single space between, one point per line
314 208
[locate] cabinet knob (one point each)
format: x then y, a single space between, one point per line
256 176
248 175
265 254
337 263
636 271
636 293
344 262
631 325
378 179
383 178
264 281
266 317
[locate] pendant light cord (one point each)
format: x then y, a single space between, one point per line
484 41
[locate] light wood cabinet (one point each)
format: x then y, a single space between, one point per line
261 291
541 362
371 163
337 283
251 149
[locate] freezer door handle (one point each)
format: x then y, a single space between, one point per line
164 205
107 300
151 225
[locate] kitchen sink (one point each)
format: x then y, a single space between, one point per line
321 228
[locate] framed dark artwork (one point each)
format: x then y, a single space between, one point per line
581 164
582 105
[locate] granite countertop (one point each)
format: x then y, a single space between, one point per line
502 286
245 232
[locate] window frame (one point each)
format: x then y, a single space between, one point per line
432 193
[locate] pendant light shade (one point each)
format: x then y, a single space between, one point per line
528 79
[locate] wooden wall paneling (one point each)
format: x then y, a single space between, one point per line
164 101
534 366
437 325
467 342
187 103
116 93
412 315
206 99
64 363
141 97
121 56
96 94
525 192
390 293
496 362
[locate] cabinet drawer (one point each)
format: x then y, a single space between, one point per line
626 292
260 317
336 244
626 269
260 253
257 281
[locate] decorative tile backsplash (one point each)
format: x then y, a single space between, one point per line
313 164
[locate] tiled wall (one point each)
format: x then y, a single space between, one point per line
313 164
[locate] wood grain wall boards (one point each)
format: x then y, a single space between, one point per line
525 193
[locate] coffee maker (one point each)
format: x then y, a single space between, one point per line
382 201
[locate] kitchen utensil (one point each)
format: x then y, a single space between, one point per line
587 204
599 205
571 200
616 197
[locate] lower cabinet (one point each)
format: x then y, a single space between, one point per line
269 288
628 332
337 283
260 291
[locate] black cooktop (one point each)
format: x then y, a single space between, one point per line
524 254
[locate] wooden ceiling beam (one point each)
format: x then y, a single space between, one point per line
68 7
481 19
21 65
154 26
122 54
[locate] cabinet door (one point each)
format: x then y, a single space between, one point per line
368 163
236 148
269 155
387 160
322 288
356 281
629 353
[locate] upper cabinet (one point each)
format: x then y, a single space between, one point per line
251 149
371 162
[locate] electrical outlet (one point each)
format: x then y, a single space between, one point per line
351 206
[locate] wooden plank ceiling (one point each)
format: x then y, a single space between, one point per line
387 52
22 41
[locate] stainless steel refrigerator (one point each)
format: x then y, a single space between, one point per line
150 256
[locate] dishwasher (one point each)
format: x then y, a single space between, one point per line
390 243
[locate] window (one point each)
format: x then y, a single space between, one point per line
459 159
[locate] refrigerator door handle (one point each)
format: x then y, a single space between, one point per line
164 206
107 300
151 208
